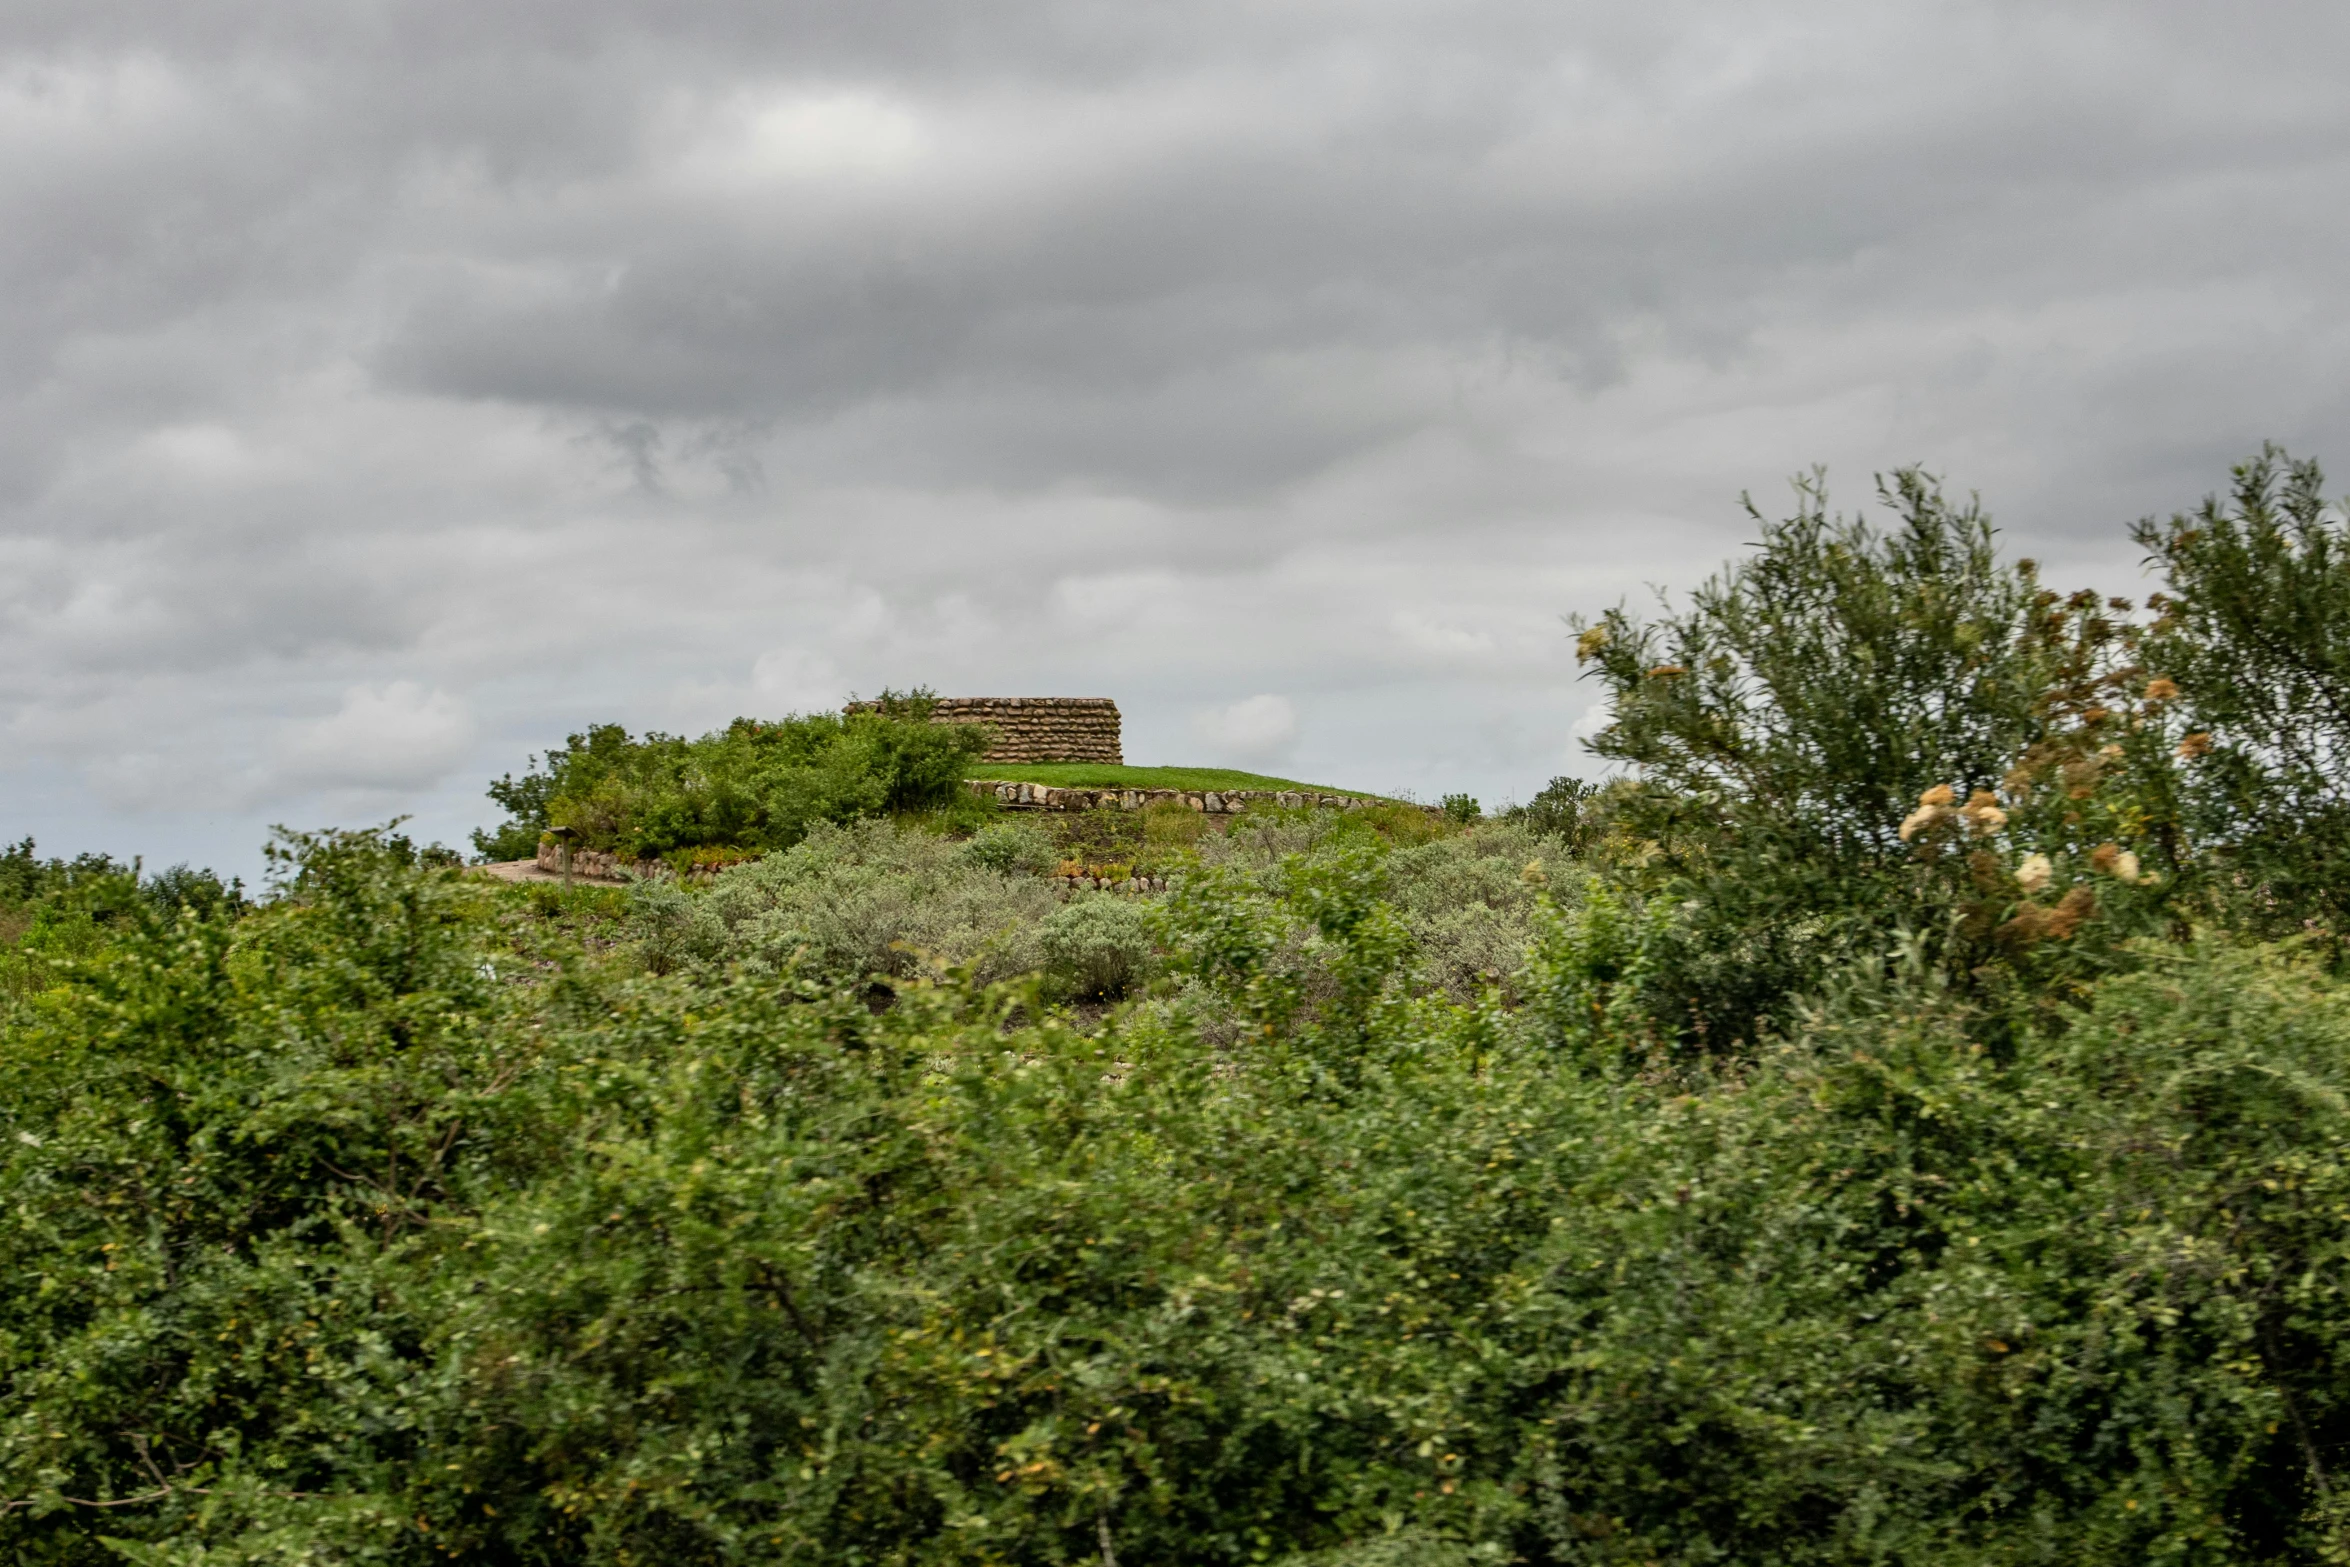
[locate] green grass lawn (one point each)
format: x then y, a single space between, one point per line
1093 775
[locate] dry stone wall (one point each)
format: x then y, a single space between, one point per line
1037 728
597 865
1214 802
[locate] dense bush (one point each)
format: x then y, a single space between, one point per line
1465 905
849 903
751 785
1014 847
55 912
1097 946
337 1234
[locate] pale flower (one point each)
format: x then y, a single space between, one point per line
1933 806
2125 866
1983 813
2033 874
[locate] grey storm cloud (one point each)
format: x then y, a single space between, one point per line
391 388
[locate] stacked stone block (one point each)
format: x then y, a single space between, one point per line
1037 728
1213 802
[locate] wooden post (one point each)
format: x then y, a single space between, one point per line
563 837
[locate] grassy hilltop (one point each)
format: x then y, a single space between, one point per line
1907 1120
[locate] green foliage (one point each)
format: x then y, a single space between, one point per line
56 912
1097 946
2255 631
337 1234
1818 686
1855 731
1461 809
848 904
1014 848
752 785
1568 809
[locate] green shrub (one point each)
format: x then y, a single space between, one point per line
1096 947
1013 848
1471 904
1568 809
55 913
752 785
336 1234
848 903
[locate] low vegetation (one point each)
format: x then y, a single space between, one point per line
1096 775
1906 1119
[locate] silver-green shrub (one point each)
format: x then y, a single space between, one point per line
1467 901
1013 848
848 902
1097 946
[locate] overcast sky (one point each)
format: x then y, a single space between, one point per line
393 387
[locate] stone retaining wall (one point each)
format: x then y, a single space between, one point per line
1036 728
597 865
1044 797
1076 884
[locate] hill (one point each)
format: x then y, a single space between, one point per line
1096 775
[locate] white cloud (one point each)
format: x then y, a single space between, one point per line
1425 634
840 133
1256 729
795 680
389 737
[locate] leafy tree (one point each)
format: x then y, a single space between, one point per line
2255 631
1814 689
1823 736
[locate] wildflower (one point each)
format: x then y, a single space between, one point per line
2077 905
2161 689
2033 874
2193 746
1933 809
1663 670
1587 645
1982 813
2125 867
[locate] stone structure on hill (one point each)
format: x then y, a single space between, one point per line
1213 802
1037 728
